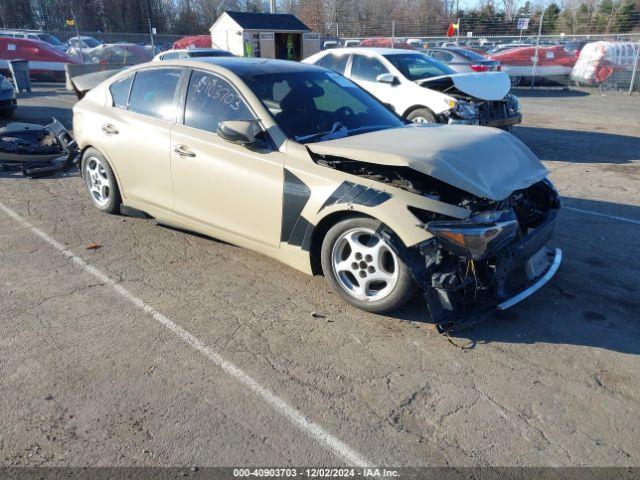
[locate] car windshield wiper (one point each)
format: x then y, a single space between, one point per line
330 135
335 129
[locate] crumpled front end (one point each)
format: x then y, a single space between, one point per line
479 99
495 258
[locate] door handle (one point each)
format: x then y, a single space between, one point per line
184 151
109 129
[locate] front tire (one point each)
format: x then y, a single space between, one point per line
421 115
363 269
100 181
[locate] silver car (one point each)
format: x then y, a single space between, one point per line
462 60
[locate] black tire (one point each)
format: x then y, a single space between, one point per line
114 199
507 128
424 114
7 113
404 289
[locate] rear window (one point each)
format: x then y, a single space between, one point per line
153 92
337 63
469 55
120 91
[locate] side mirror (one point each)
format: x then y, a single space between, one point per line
241 132
387 78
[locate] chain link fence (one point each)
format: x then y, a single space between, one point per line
598 62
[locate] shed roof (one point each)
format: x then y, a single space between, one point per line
267 21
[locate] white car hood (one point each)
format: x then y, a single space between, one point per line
486 162
485 85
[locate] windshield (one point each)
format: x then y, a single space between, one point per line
417 66
45 37
210 53
314 106
470 55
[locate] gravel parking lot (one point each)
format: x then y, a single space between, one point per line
168 348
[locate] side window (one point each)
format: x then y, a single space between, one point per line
168 56
337 63
366 68
120 91
153 91
211 100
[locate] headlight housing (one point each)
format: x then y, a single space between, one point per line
477 237
513 103
466 110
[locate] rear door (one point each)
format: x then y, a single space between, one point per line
218 183
135 134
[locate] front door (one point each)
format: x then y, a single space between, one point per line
221 184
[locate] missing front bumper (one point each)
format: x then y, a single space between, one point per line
531 289
513 274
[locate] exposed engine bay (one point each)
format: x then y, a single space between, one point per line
470 265
470 108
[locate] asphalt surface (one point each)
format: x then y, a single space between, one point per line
116 356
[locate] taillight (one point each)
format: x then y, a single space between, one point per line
479 68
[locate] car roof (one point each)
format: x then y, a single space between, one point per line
199 49
242 66
378 50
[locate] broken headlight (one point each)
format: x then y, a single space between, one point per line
477 237
466 110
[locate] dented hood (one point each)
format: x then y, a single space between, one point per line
485 86
484 161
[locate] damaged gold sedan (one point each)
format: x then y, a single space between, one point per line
302 165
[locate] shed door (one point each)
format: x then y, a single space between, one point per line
310 44
267 45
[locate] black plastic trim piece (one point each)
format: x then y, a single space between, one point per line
296 194
348 192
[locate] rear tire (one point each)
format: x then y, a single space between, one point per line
421 115
100 181
362 268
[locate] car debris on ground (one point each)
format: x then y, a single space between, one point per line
37 150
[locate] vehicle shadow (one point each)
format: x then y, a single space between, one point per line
579 146
15 173
525 91
594 299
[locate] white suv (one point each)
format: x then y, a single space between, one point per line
421 89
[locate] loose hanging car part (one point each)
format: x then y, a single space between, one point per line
37 150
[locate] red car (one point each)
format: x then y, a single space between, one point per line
45 62
193 41
385 43
553 62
